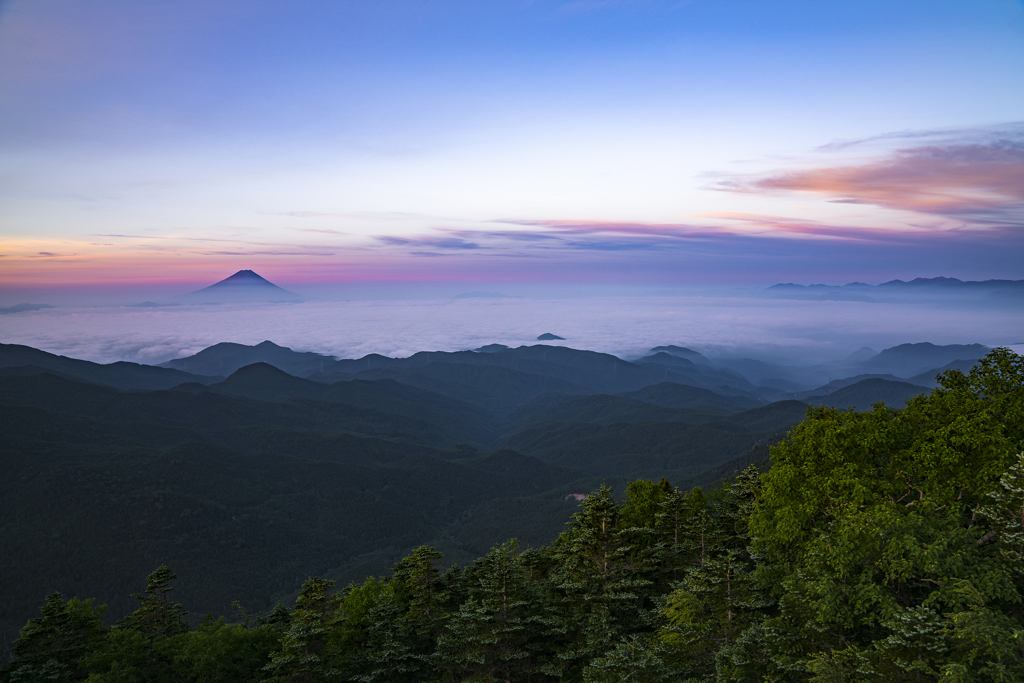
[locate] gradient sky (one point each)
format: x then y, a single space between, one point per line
165 145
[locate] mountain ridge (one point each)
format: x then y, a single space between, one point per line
993 292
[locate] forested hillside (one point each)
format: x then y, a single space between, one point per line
250 483
883 545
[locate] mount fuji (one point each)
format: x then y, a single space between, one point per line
245 286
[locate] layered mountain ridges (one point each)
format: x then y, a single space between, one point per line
342 466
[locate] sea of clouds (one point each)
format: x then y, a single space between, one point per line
794 331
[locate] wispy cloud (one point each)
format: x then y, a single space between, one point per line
728 224
597 227
219 240
840 145
300 214
940 136
428 241
981 183
267 253
324 231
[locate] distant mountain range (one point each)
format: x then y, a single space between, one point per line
500 378
16 359
938 289
23 308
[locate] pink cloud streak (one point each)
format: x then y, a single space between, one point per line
980 183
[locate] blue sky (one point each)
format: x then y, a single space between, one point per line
168 144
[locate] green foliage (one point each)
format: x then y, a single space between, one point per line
305 653
891 536
219 652
718 601
601 586
643 499
633 659
142 645
157 617
50 646
505 626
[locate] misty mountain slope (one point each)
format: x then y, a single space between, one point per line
927 378
758 455
600 372
48 438
604 409
837 384
534 521
263 382
647 447
862 354
937 289
586 371
683 352
493 388
676 395
579 371
120 375
459 420
472 422
226 358
908 360
666 367
23 308
589 371
867 392
771 417
228 420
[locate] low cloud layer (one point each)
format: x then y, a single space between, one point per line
627 326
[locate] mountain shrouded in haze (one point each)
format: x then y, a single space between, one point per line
244 287
997 293
344 465
226 357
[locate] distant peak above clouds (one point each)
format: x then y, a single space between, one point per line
245 286
998 293
22 308
243 277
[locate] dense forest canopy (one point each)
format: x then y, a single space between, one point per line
884 545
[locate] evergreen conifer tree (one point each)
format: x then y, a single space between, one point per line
306 654
142 647
391 656
405 625
157 616
503 630
635 659
601 594
49 647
